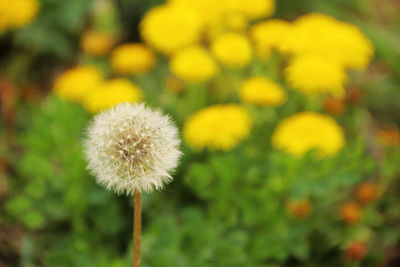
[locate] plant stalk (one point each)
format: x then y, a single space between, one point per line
137 228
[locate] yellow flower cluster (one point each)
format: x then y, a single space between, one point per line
261 91
271 35
219 127
213 9
253 9
232 49
218 11
311 74
170 27
193 64
96 43
333 40
308 130
17 13
322 49
181 30
85 85
112 92
133 58
74 84
179 23
234 22
327 48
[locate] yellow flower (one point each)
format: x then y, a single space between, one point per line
213 9
111 93
235 21
96 43
134 58
261 91
232 49
75 83
193 64
17 13
271 35
170 27
3 26
217 127
308 130
252 9
326 37
312 75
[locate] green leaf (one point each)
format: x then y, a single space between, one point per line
33 220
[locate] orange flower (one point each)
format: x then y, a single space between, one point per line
350 212
367 192
300 209
356 251
353 95
388 136
97 43
334 106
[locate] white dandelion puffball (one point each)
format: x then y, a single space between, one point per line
132 148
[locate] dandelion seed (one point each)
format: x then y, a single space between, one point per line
136 156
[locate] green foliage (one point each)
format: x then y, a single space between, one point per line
58 21
223 208
56 194
239 216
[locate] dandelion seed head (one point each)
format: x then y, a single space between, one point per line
130 147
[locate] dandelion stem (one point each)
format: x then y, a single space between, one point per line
137 228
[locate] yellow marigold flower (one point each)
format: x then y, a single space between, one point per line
252 9
214 9
219 127
235 21
96 43
313 75
17 13
262 91
271 35
256 9
308 130
75 83
324 36
3 26
232 49
193 64
134 58
111 93
170 27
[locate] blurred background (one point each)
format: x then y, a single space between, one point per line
289 114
